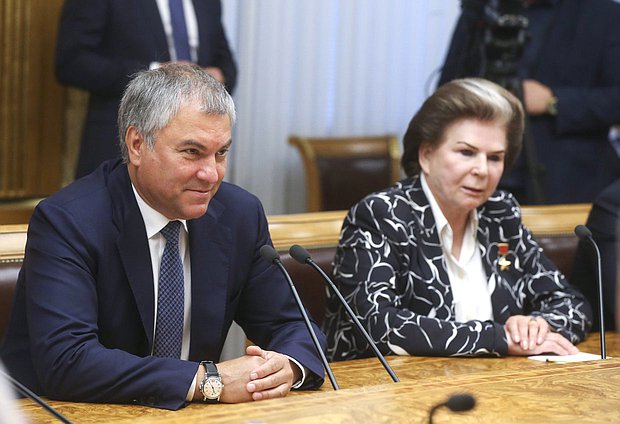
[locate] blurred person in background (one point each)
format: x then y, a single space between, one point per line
102 43
564 59
602 221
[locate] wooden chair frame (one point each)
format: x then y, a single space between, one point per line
312 148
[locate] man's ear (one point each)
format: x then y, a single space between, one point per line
424 152
135 145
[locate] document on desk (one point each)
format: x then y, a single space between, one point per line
580 357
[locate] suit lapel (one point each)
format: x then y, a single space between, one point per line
489 237
429 243
204 15
133 247
560 36
210 249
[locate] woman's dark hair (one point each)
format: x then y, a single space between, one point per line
468 98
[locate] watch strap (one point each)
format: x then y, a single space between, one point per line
210 368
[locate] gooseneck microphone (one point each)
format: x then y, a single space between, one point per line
302 256
270 255
31 395
456 403
585 234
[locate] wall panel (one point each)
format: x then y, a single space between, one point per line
32 104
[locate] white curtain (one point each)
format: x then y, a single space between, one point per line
325 67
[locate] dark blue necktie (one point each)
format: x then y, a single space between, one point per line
170 299
179 30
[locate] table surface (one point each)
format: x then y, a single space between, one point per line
507 390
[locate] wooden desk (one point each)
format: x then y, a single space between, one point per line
508 390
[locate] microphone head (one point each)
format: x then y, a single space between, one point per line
300 254
460 402
269 254
582 232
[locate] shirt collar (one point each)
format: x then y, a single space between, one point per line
440 218
153 220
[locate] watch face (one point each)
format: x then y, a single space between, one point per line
212 388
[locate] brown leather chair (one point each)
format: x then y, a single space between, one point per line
340 171
12 242
309 283
8 278
318 233
553 228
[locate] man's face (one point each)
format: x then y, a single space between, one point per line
182 173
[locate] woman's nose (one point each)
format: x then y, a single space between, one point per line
480 167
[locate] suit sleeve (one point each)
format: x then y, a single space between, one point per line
603 222
269 315
381 272
541 289
81 58
463 57
593 104
551 296
62 308
222 55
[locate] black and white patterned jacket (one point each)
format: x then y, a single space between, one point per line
391 269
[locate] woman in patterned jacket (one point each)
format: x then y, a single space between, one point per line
440 263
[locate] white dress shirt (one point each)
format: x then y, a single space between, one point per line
468 280
11 409
190 22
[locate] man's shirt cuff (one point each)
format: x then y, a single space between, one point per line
299 383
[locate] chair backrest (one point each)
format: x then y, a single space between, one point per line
12 244
340 171
318 233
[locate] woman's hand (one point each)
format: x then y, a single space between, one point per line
526 331
530 335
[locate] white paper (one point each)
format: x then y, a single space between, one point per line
580 357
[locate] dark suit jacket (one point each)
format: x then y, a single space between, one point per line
82 323
580 61
603 222
391 268
101 43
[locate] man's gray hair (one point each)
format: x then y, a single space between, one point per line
154 97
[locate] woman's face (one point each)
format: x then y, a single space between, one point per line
465 168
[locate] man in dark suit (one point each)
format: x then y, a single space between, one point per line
603 222
100 317
101 43
570 73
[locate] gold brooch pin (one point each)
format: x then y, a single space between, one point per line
504 263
